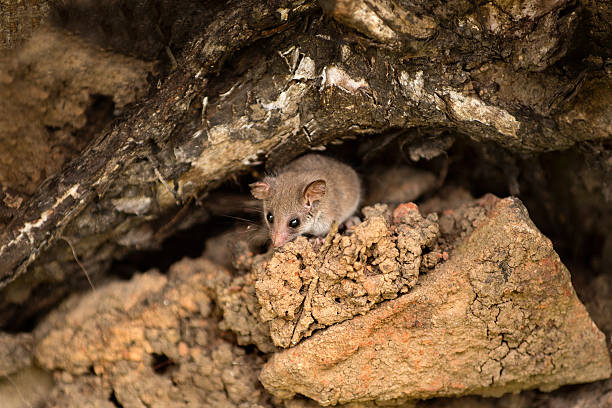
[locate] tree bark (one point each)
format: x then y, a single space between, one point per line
265 82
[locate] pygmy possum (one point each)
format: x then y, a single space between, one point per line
306 196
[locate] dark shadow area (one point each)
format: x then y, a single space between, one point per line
146 29
113 399
162 364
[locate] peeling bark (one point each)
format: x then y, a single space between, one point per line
61 198
265 82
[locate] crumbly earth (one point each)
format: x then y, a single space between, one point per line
499 316
241 313
302 289
15 352
472 301
151 342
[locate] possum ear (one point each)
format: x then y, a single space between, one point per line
314 192
260 190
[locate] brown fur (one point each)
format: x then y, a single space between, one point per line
315 189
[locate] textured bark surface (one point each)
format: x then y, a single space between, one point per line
496 72
19 19
119 120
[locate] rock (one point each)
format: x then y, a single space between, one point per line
499 316
302 289
152 341
84 391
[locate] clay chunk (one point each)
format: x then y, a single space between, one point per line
152 341
302 289
499 316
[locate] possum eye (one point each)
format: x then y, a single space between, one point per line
294 223
270 217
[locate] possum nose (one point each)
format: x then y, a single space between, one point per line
279 239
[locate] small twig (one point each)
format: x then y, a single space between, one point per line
173 62
161 233
169 53
307 301
161 178
76 258
276 30
167 185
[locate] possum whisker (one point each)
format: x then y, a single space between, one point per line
253 209
21 396
76 258
240 219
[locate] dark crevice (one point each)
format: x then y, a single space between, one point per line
142 29
100 111
113 399
221 211
162 364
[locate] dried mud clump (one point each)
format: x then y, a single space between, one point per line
153 341
15 352
500 315
301 289
237 300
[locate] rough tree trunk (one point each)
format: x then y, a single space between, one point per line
496 72
119 120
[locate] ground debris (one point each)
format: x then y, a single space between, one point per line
152 341
15 352
499 316
404 307
301 289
